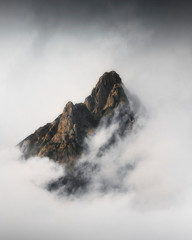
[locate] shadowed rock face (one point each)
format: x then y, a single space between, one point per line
63 139
107 94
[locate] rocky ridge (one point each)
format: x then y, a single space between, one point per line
63 139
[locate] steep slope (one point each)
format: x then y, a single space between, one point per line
63 139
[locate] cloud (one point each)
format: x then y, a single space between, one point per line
158 189
152 200
48 58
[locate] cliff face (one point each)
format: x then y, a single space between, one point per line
63 139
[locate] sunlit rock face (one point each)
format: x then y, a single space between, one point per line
63 139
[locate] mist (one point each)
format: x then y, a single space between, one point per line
48 59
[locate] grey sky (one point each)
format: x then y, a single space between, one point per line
160 13
55 51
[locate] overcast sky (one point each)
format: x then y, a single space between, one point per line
53 52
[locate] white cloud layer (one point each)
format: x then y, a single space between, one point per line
38 78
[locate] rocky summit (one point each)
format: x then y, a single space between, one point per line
63 139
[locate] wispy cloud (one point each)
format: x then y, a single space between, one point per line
48 60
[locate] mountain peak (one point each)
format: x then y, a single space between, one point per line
63 139
108 79
69 107
107 90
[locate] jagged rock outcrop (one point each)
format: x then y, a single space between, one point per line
63 139
107 95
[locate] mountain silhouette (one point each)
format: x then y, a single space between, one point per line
63 139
